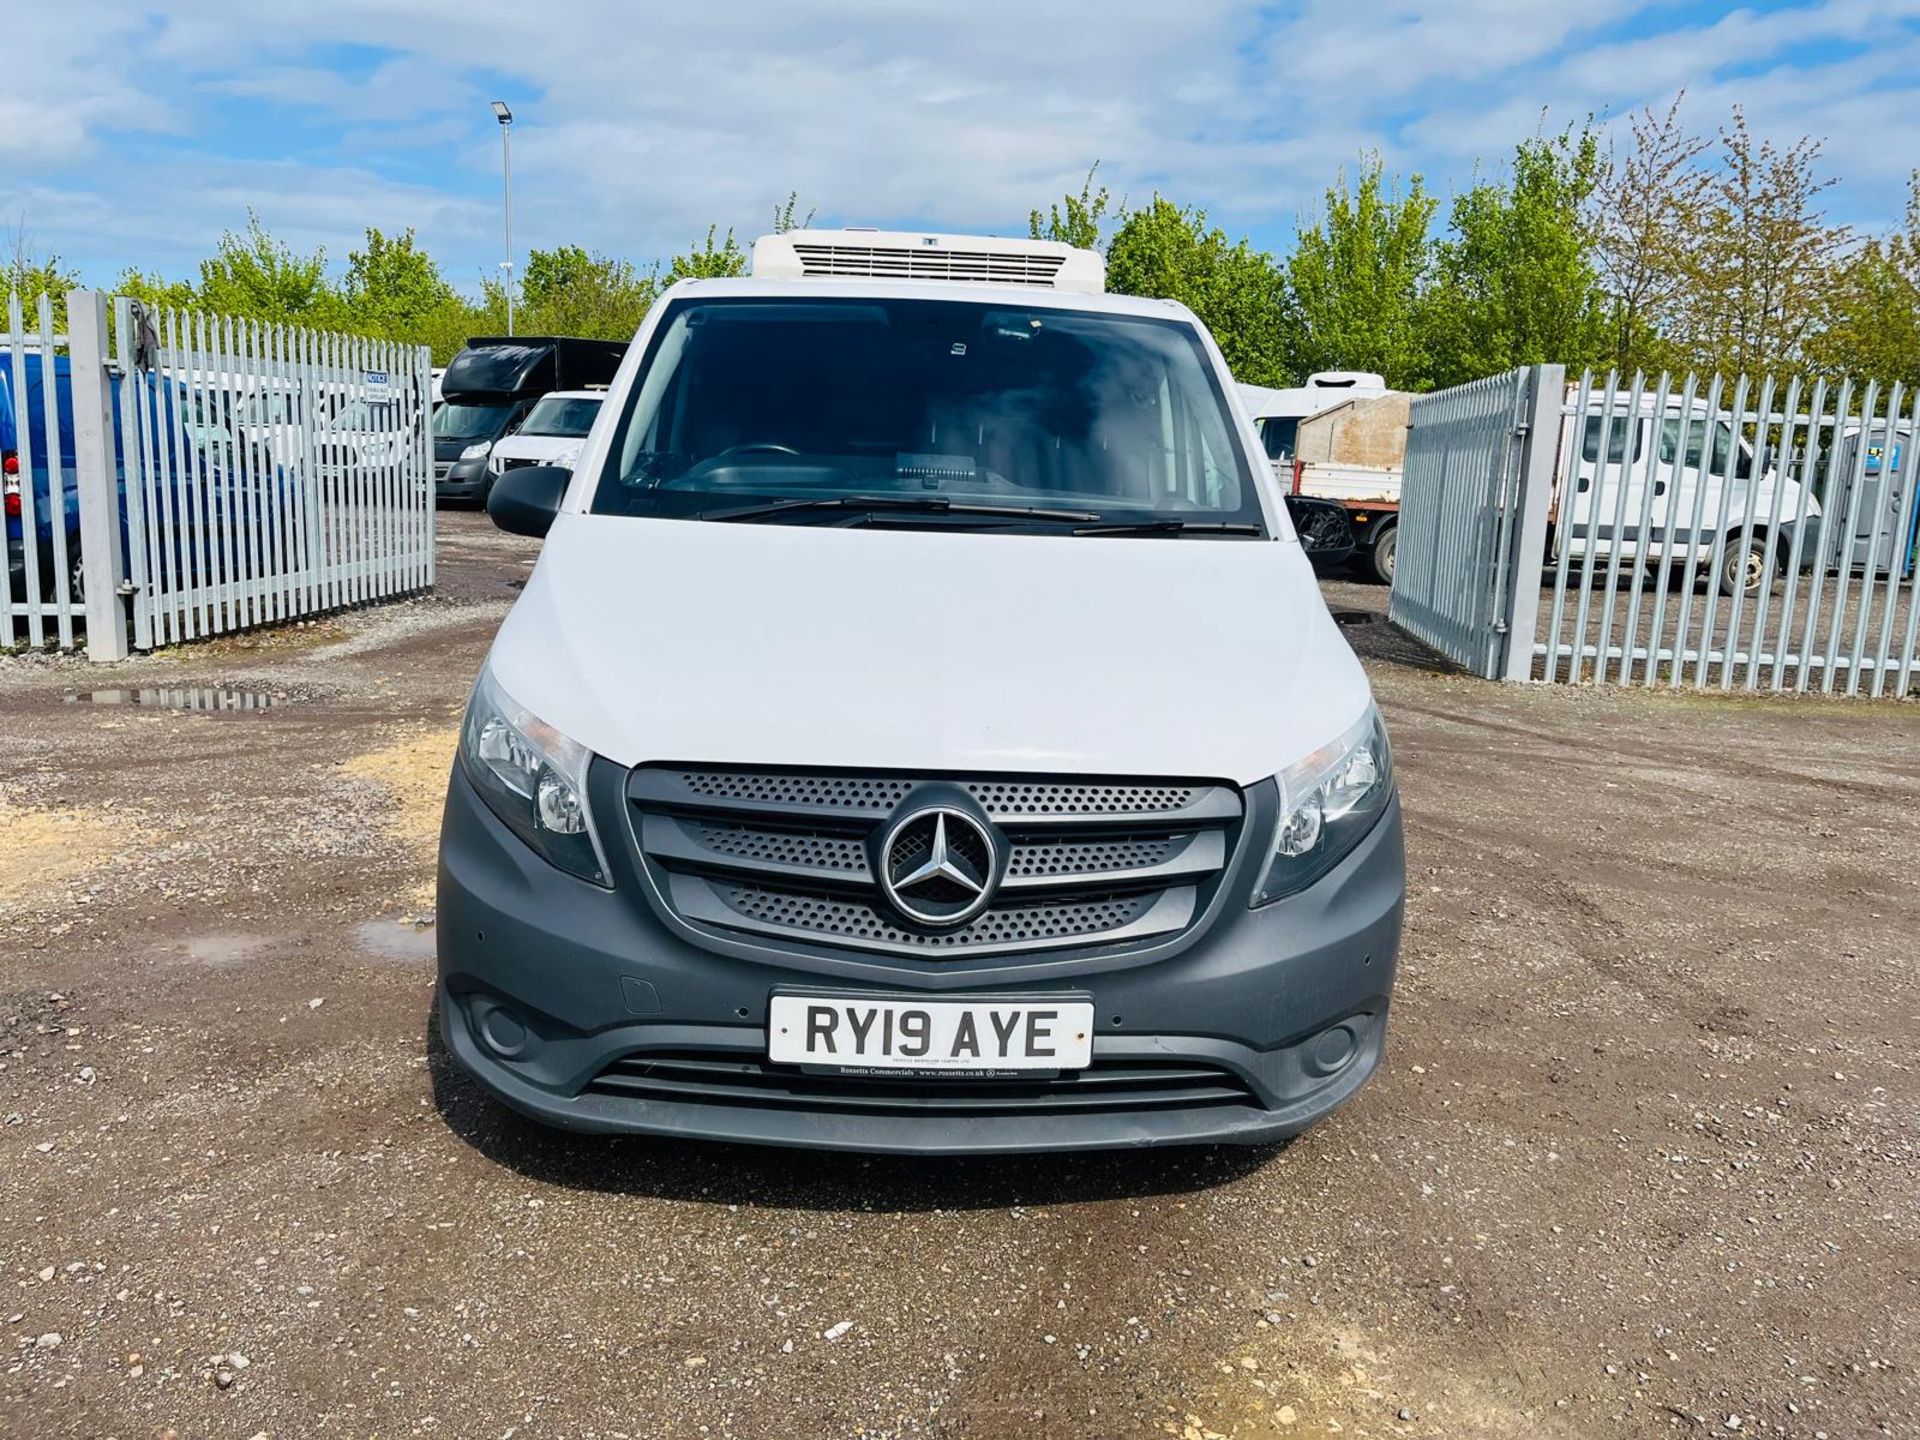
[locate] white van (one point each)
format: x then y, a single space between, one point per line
553 433
1671 483
921 732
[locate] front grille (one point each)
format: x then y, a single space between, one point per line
515 462
792 854
857 920
872 796
901 262
710 1077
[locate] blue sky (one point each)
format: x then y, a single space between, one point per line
132 136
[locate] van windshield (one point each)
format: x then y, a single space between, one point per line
563 415
369 416
457 421
1277 434
916 405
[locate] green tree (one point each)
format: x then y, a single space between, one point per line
1357 273
572 291
31 275
1767 258
1238 292
394 290
1872 326
1076 219
1646 211
260 278
784 213
1516 281
709 261
152 289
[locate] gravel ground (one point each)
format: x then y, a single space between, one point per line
1641 1160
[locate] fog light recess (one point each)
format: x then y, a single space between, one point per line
499 1029
1331 1050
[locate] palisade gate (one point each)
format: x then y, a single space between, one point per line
1757 533
175 474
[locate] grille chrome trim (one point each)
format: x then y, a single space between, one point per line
853 923
871 798
836 862
789 855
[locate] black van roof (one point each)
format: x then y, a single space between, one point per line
501 367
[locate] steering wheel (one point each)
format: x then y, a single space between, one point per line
757 447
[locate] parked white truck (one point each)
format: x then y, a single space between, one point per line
1342 436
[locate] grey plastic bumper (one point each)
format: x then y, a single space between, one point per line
586 976
463 480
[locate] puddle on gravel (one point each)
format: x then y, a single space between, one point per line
185 698
230 948
1358 617
402 939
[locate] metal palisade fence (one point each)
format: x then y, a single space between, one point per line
181 474
1753 534
42 520
1459 581
1756 534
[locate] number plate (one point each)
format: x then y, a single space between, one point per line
954 1038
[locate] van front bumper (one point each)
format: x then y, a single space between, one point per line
460 480
551 990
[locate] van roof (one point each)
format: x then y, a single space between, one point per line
498 367
1024 296
1324 390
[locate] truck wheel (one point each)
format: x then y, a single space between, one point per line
1747 571
1380 555
76 576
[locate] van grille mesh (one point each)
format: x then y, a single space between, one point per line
796 855
856 920
867 794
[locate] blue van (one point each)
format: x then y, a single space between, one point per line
31 412
28 411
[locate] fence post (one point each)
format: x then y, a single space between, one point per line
1528 561
95 465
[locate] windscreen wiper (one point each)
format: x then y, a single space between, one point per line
904 504
1168 525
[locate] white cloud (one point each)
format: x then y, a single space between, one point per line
635 129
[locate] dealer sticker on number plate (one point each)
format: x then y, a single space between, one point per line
951 1036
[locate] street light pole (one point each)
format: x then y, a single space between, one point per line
505 117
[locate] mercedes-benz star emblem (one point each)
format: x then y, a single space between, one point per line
936 866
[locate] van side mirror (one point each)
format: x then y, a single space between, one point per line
525 499
1325 532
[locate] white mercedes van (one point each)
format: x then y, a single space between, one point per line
922 732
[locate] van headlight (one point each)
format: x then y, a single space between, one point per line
1328 802
476 450
532 777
